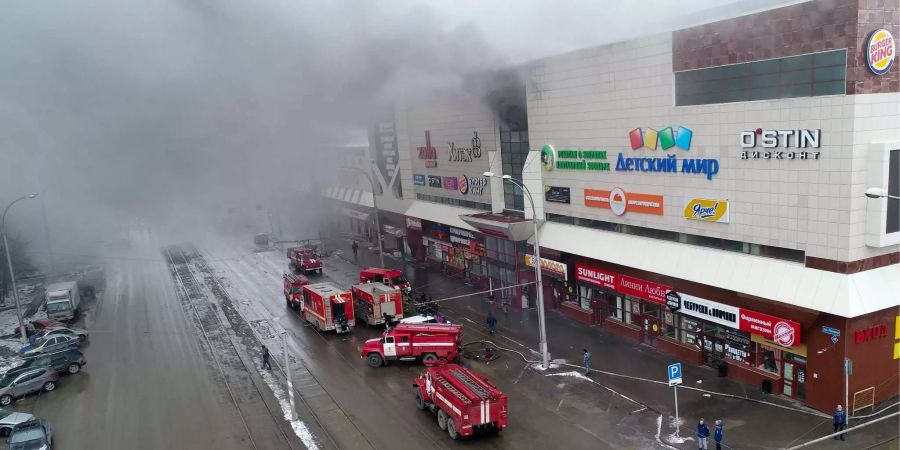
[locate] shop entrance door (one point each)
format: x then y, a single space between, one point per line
794 380
650 330
713 350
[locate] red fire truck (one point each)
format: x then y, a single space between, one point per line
304 259
388 277
375 300
411 341
328 307
466 403
293 289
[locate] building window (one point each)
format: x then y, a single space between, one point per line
809 75
513 151
454 201
670 324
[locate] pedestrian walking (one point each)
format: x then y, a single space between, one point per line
702 434
491 322
840 421
265 357
586 360
718 434
355 248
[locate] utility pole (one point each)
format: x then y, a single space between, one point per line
52 267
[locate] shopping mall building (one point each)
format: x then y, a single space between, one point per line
701 191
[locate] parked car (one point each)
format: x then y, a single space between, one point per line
9 419
32 435
69 360
13 386
49 345
38 325
48 333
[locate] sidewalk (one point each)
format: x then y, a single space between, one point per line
749 423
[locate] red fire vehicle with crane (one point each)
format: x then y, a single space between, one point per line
293 289
388 277
328 307
411 341
305 260
376 302
466 403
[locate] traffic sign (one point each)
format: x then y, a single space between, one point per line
674 374
834 332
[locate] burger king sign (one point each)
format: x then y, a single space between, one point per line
880 51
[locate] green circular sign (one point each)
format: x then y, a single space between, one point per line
548 157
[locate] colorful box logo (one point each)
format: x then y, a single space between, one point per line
419 179
665 138
450 183
880 51
706 210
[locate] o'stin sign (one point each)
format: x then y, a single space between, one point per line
880 51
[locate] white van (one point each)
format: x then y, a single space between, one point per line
62 300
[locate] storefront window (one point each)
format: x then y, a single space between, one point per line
615 306
690 327
670 324
585 296
769 359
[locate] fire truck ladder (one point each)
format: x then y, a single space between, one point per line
471 384
452 389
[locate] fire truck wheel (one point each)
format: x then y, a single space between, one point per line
375 360
451 429
443 419
420 402
429 359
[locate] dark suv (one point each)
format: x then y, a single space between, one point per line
68 360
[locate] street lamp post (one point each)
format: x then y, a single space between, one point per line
876 192
375 211
12 275
545 355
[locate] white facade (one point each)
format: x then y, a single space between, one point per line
592 99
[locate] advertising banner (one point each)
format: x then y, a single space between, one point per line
784 332
706 210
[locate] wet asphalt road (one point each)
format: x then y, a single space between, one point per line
545 413
147 383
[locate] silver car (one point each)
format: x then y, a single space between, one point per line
9 419
16 385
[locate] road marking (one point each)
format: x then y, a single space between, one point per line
520 374
560 404
638 410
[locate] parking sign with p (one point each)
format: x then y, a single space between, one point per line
674 374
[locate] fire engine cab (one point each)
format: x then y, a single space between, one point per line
388 277
293 289
409 342
375 302
328 307
466 403
304 259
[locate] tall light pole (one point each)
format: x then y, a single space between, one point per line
375 210
287 372
545 355
12 275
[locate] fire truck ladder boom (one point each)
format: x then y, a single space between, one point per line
471 384
452 389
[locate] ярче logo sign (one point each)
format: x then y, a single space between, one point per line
706 210
665 138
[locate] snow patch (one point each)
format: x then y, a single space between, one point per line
298 426
572 374
658 431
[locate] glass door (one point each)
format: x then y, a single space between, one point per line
794 379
